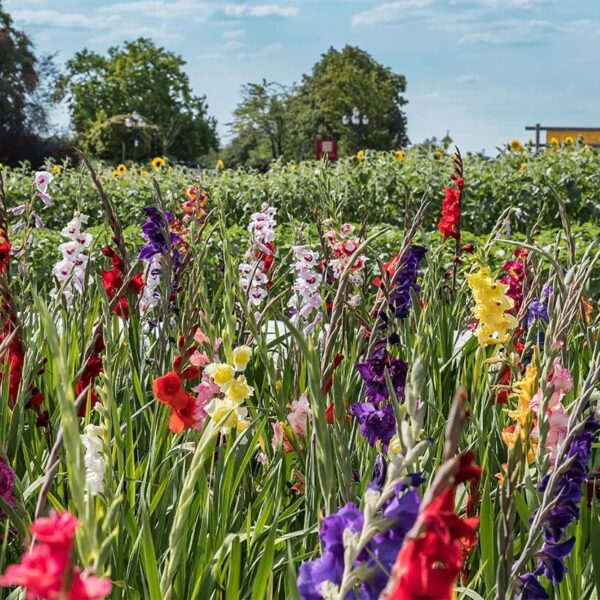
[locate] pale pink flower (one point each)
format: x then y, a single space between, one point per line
560 379
277 439
200 337
199 359
298 417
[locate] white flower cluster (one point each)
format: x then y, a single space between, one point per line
307 298
70 271
151 294
95 467
254 273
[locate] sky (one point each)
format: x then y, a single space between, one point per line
482 69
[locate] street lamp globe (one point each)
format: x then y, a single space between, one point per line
365 120
345 120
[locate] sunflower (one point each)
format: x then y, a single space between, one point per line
121 169
400 155
569 140
554 142
437 155
157 162
144 173
220 165
360 155
57 169
516 146
523 166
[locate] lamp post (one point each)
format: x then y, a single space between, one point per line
357 122
133 121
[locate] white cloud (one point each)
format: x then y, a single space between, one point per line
159 9
234 34
469 78
267 50
260 10
233 45
53 18
502 4
390 12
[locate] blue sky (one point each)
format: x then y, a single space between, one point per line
481 68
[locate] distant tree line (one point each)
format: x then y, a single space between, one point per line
271 121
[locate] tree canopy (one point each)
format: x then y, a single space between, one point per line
259 125
137 77
272 121
341 80
22 99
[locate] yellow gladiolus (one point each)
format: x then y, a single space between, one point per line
221 373
241 357
238 390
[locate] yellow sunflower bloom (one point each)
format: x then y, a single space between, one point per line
516 146
121 169
360 155
569 140
400 155
554 142
220 165
157 162
57 169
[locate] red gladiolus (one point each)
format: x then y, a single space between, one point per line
46 572
449 225
504 381
4 252
433 552
329 383
112 282
169 390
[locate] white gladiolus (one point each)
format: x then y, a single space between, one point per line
70 270
95 466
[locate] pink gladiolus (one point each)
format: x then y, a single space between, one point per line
298 417
46 572
199 359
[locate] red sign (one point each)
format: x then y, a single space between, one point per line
327 148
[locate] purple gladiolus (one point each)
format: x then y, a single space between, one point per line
156 232
376 423
379 555
568 493
7 483
537 310
373 371
405 281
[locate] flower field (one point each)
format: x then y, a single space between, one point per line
374 379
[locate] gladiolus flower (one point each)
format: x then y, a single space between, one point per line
222 373
241 357
431 557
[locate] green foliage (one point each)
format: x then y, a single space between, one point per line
259 125
272 122
341 80
204 517
137 77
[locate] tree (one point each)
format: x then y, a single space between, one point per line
340 81
138 77
23 98
259 125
